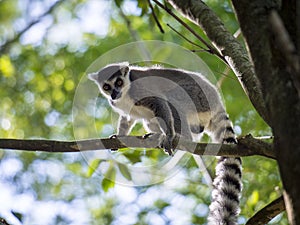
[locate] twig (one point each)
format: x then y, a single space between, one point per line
267 213
189 41
135 36
133 33
155 18
248 146
210 47
224 75
7 44
185 38
3 222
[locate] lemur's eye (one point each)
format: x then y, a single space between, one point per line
106 87
119 82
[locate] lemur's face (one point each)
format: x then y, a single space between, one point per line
113 87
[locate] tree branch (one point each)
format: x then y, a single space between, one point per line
279 93
135 36
267 213
3 222
211 48
155 17
234 53
248 146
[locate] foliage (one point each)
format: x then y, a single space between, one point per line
38 79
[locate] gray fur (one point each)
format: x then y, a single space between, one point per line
170 102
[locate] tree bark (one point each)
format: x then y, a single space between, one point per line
279 88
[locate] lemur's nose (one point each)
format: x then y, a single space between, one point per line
115 94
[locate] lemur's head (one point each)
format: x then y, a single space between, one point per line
112 80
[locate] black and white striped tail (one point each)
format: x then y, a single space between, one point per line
227 185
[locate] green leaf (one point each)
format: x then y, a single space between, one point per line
109 180
18 215
93 167
107 184
143 5
161 204
124 171
133 155
76 168
253 199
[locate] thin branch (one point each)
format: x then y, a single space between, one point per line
185 38
248 146
211 48
189 41
207 173
135 36
4 48
133 32
3 222
155 18
267 213
224 75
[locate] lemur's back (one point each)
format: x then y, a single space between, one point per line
191 91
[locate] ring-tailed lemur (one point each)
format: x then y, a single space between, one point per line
170 102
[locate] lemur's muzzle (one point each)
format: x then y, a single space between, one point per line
115 94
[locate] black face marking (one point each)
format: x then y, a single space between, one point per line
106 87
115 75
119 82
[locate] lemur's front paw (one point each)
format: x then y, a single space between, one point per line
113 136
167 144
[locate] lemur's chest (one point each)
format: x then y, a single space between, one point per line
125 106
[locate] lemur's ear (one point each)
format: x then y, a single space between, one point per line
93 76
124 70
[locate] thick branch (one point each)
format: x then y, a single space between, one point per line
267 213
236 56
248 146
279 90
